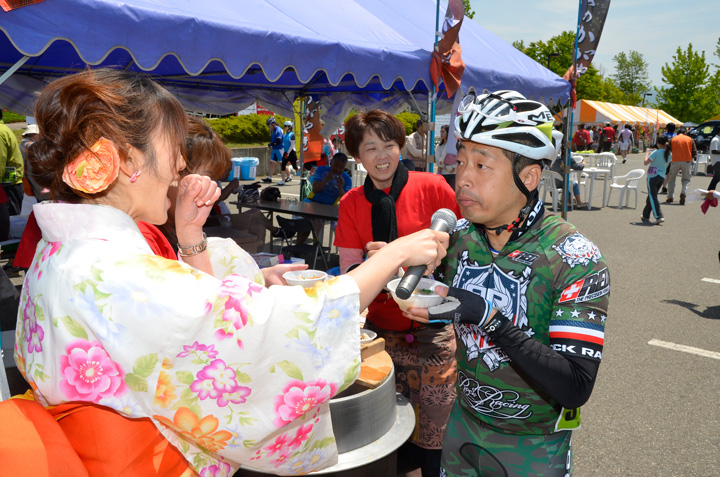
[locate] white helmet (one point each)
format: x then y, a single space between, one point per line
507 120
288 123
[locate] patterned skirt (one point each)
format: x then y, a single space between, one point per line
425 373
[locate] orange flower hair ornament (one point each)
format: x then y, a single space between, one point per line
93 170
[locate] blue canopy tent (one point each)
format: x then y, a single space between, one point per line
219 56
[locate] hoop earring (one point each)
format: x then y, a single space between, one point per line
135 176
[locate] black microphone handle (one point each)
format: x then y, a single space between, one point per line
409 281
413 275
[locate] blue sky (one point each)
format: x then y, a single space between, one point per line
654 28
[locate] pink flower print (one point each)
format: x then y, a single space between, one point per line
282 458
223 335
34 333
209 350
278 445
237 397
254 288
35 341
220 469
88 373
299 398
218 381
50 250
301 436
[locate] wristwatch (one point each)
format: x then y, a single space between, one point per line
193 249
495 323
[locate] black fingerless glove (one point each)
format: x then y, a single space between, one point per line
461 306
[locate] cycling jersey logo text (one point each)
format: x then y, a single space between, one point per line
587 288
576 249
524 257
491 401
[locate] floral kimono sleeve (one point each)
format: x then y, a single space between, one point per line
232 373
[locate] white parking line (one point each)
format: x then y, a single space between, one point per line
686 349
711 280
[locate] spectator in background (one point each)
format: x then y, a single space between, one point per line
417 147
625 141
289 161
32 188
715 160
581 140
329 185
441 153
683 152
276 144
593 136
607 136
11 168
337 143
670 134
658 160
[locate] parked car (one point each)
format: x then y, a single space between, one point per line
703 134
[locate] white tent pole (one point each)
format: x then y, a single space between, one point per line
13 69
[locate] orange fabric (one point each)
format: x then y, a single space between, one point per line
33 443
111 444
78 439
682 148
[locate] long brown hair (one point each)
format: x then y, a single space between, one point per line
73 112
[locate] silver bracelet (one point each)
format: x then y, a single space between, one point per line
193 249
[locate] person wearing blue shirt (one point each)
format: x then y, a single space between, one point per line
658 161
329 184
276 143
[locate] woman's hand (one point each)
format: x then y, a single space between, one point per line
196 196
426 247
274 275
371 248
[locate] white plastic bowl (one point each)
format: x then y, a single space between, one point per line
417 300
304 278
371 335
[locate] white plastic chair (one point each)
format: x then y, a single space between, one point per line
359 175
632 179
606 160
548 185
700 159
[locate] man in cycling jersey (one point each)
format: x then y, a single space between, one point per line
528 295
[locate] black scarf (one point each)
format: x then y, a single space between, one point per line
384 220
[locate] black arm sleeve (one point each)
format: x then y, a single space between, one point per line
567 379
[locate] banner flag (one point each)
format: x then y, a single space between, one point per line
591 21
8 5
446 57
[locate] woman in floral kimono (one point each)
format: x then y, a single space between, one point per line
152 366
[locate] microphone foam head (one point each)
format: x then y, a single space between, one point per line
447 216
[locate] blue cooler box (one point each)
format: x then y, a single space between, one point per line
248 168
235 171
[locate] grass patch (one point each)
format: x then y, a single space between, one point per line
10 117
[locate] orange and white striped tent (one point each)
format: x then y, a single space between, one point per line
598 112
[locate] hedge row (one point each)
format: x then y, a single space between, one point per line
251 128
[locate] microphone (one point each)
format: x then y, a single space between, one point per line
443 220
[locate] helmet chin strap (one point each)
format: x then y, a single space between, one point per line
531 196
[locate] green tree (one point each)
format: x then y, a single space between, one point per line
469 12
589 86
631 76
688 94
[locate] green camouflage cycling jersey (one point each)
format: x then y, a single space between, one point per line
553 283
